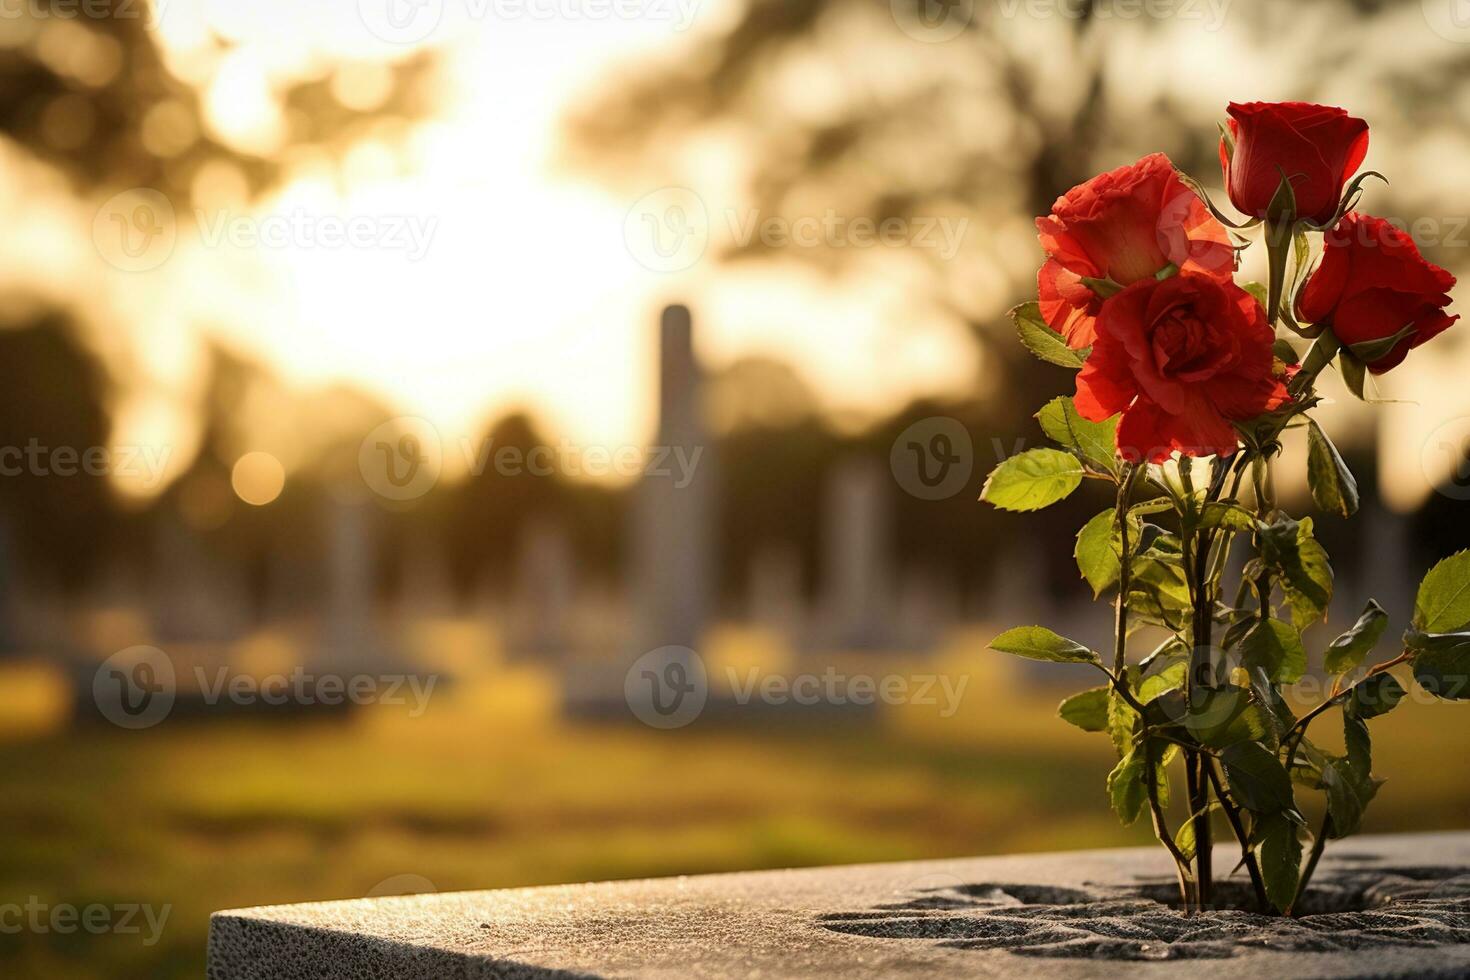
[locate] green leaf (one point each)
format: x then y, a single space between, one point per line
1088 710
1184 838
1224 514
1105 287
1353 373
1223 716
1333 487
1122 721
1359 745
1276 647
1256 289
1348 651
1299 564
1097 553
1095 442
1042 340
1040 643
1257 778
1279 854
1270 697
1035 479
1348 791
1127 785
1159 592
1169 678
1443 603
1369 351
1441 663
1378 695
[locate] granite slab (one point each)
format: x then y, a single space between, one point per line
1389 906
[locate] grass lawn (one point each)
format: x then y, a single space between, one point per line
489 789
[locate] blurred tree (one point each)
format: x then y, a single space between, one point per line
53 398
912 109
100 97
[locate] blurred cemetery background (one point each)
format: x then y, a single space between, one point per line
572 396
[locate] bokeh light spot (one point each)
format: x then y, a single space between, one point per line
258 478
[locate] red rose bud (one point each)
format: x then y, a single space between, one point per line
1182 358
1373 286
1126 225
1318 148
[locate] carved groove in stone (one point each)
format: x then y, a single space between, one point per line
1348 909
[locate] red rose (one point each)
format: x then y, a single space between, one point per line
1181 358
1124 225
1317 147
1372 284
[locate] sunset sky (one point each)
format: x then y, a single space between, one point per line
493 279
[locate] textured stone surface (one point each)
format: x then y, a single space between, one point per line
1387 907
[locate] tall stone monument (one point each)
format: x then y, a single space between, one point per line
673 521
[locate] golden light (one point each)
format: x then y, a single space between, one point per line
258 478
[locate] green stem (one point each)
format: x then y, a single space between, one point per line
1248 857
1126 487
1321 353
1318 846
1278 250
1188 896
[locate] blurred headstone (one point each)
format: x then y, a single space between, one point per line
540 619
857 584
774 591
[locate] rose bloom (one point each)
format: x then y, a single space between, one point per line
1125 225
1318 147
1181 358
1372 284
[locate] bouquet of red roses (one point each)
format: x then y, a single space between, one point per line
1185 381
